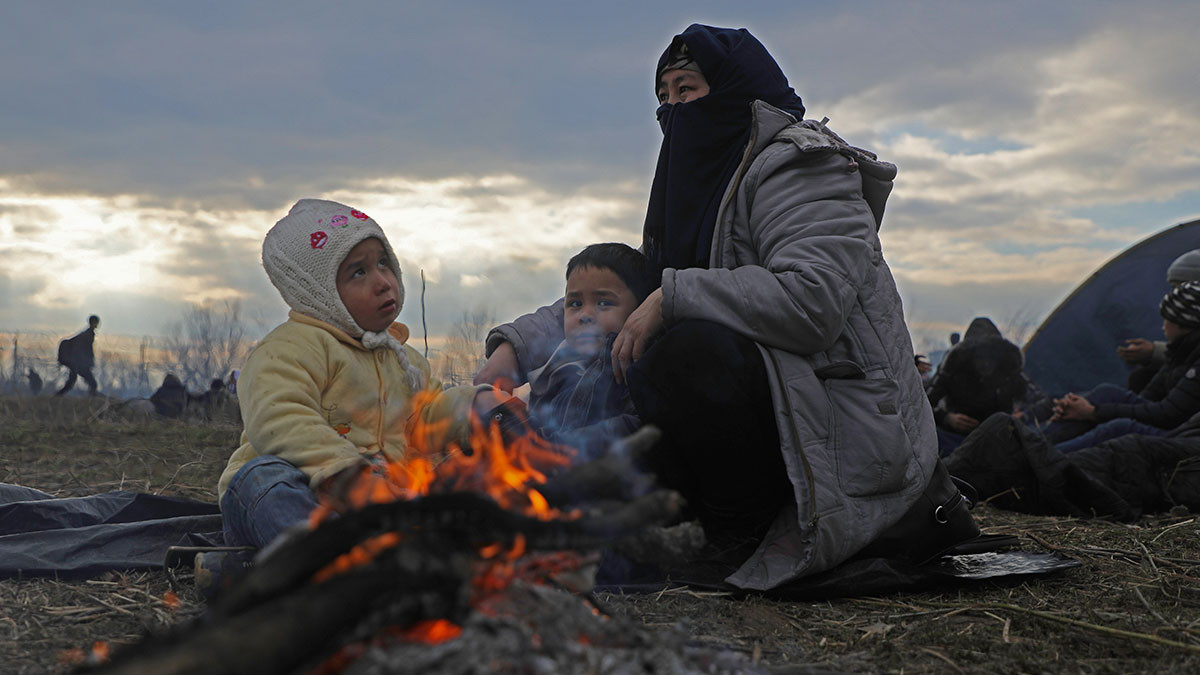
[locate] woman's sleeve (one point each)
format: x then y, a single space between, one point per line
280 390
534 336
1174 409
815 241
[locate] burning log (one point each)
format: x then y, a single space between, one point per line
288 612
283 634
374 570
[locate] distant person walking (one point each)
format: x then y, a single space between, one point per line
76 354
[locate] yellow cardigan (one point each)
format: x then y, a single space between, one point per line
314 396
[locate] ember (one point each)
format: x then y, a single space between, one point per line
431 632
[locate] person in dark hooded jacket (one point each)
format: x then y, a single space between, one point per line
774 354
1167 401
979 376
171 397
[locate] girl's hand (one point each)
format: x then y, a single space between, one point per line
643 325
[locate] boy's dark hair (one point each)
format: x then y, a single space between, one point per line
626 262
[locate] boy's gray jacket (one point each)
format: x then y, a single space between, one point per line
796 265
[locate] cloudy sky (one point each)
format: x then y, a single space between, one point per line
145 148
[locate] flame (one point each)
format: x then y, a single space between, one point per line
430 631
171 600
508 472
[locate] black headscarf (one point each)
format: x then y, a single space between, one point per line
703 141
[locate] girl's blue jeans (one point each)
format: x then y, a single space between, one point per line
266 496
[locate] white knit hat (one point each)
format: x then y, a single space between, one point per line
302 254
303 251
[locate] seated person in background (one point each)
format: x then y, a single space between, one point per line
214 402
979 376
1146 356
574 399
171 398
1168 400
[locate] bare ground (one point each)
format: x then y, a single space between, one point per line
1134 606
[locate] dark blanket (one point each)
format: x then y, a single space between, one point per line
1014 467
74 537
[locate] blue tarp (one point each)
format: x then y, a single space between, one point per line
1075 348
75 537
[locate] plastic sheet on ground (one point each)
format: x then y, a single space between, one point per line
76 537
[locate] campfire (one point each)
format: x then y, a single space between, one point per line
479 560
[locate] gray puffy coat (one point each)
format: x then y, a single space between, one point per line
796 265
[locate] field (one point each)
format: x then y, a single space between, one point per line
1134 606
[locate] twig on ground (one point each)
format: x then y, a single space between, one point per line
939 655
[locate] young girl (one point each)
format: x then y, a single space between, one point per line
331 390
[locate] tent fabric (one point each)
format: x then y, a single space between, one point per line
76 537
1075 348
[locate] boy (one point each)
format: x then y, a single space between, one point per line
574 399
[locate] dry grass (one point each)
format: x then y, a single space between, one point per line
1133 607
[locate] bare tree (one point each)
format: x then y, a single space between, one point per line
206 344
462 356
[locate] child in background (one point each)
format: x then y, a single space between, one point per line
331 390
574 399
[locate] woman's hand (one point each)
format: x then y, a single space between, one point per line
643 325
500 369
1074 407
961 423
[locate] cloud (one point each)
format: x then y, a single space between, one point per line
496 241
152 145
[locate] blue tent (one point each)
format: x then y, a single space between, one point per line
1075 348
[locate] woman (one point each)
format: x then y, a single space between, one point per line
774 355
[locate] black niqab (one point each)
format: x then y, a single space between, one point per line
704 140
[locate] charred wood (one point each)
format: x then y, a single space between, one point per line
536 629
459 521
279 617
663 546
294 629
